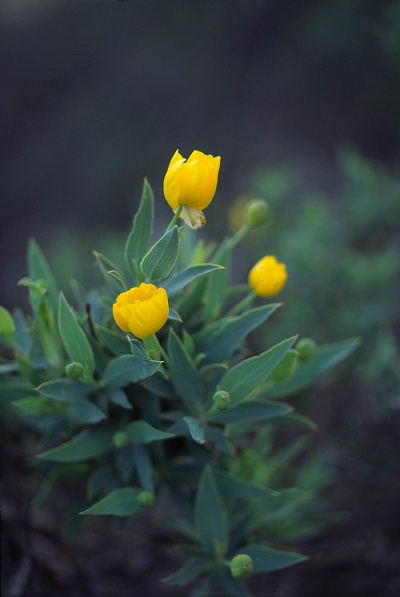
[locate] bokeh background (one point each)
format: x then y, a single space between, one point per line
301 101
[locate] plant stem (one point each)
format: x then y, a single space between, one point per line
175 218
242 304
239 235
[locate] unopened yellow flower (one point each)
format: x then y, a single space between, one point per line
267 277
141 310
191 183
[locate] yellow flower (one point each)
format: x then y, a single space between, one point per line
141 310
267 277
192 184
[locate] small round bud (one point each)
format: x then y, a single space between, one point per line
121 439
145 499
74 370
306 347
221 400
241 566
286 366
256 212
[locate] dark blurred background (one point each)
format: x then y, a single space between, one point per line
300 98
95 95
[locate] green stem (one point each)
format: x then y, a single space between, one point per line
175 218
238 236
242 304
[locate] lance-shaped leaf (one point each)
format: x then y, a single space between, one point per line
209 514
230 486
73 337
140 432
218 341
184 375
179 280
86 412
85 445
245 377
191 569
196 429
266 559
120 502
65 390
144 466
306 372
39 269
160 260
250 411
110 273
138 240
217 283
7 328
126 369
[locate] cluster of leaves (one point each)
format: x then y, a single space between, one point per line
350 284
138 417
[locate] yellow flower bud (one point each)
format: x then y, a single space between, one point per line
267 277
241 566
141 310
192 184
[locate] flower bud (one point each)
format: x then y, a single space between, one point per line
267 277
121 439
221 400
256 212
74 370
142 310
286 366
241 566
145 499
306 347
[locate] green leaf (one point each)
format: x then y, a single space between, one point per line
144 466
294 420
184 375
73 337
126 369
250 411
39 269
186 275
217 438
219 340
110 272
140 432
65 390
13 390
117 342
138 240
85 445
266 559
306 372
86 412
37 405
190 570
196 429
209 513
7 328
160 260
217 283
118 397
120 502
23 337
245 377
230 486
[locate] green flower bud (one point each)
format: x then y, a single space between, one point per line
306 347
74 370
145 499
256 212
221 400
286 366
121 439
241 566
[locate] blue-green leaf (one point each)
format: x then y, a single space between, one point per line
118 397
117 342
73 337
126 369
230 486
23 337
7 328
250 411
219 340
120 502
39 269
245 377
184 375
138 240
140 432
86 412
65 390
191 569
209 514
87 444
307 371
217 282
160 260
266 559
196 429
186 275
